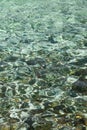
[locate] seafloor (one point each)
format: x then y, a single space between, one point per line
43 64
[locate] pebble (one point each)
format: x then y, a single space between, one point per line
66 128
80 85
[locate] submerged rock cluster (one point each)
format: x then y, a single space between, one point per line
43 65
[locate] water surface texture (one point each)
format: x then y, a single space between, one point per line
43 65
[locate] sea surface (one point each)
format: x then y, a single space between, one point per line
43 64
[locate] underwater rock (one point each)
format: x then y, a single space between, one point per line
26 40
12 58
2 48
85 42
46 125
35 61
42 84
80 62
32 81
66 128
78 121
80 127
72 93
80 85
5 127
3 65
58 108
81 72
81 118
51 39
31 62
40 73
29 122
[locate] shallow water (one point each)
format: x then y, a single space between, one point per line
43 65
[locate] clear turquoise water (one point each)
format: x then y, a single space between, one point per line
43 44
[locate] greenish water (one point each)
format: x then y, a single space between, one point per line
43 65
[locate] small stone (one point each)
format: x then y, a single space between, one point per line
12 58
66 128
32 81
72 93
80 127
30 122
81 72
51 39
31 62
5 127
58 108
80 85
45 126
